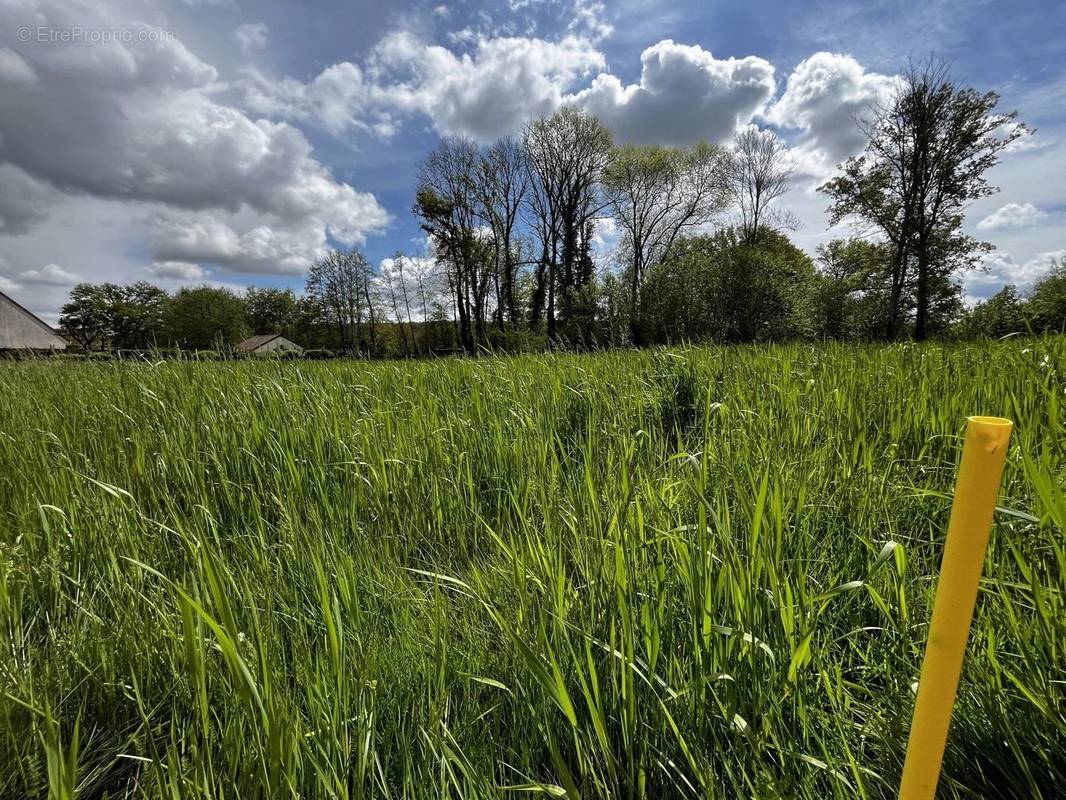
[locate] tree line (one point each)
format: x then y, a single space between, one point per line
517 257
346 308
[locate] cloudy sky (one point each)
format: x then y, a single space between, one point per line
232 141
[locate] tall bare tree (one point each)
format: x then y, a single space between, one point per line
338 284
760 171
543 221
447 203
394 287
501 183
656 193
567 153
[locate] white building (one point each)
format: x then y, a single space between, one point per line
269 344
21 330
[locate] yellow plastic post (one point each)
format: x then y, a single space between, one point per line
976 488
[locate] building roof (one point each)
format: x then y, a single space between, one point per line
254 343
11 339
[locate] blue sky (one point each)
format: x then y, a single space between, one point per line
231 141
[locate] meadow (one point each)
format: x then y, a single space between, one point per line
692 572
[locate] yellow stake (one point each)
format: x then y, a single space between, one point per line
976 488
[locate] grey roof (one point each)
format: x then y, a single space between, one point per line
256 342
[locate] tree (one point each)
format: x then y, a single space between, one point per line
655 194
108 315
759 172
446 202
501 183
567 153
86 317
271 310
925 160
139 316
428 283
394 285
1046 306
311 327
338 286
998 316
543 221
206 317
868 190
720 288
849 296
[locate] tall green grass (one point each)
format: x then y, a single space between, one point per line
686 573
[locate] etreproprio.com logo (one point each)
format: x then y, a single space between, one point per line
77 34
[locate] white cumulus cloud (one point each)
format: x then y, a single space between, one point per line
1000 269
826 97
1012 215
685 94
590 20
177 270
48 275
138 122
240 242
339 100
487 93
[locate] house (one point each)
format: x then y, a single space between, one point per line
269 344
21 330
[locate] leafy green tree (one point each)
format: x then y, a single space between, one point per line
677 302
723 289
139 316
100 316
311 328
205 317
850 293
271 310
1001 314
945 308
1046 307
86 317
928 151
615 310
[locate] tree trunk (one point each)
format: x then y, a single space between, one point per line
551 278
634 302
540 287
499 302
466 335
921 317
508 285
898 271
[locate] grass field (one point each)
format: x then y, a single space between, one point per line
697 572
